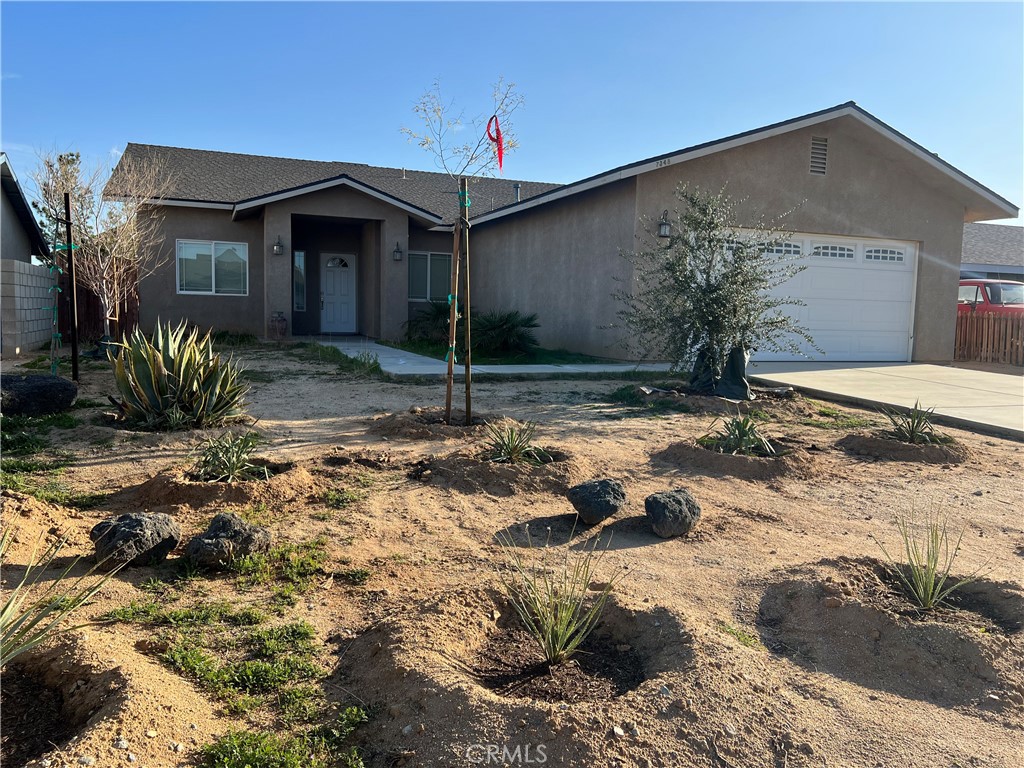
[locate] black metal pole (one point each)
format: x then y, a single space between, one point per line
69 245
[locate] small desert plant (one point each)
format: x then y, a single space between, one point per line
26 623
227 459
176 380
509 332
929 558
738 435
553 606
915 426
512 443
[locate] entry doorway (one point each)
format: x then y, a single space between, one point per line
338 293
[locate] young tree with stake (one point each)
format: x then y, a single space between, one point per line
489 138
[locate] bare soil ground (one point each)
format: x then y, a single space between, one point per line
772 637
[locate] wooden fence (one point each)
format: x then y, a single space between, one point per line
988 338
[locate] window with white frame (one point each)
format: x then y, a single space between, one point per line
892 255
430 276
783 248
834 251
213 267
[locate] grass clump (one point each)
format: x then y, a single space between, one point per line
339 499
739 436
296 637
228 459
928 555
915 426
746 639
554 605
294 564
829 417
356 576
509 442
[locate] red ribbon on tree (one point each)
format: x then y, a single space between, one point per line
496 139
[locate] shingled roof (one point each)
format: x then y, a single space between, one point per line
203 176
993 244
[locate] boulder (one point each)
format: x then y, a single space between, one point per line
596 500
229 537
136 538
672 513
36 395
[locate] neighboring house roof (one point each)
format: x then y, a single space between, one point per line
235 181
12 189
997 206
995 244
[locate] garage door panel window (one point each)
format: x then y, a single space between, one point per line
830 251
212 267
884 255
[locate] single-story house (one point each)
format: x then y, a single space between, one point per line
350 248
993 252
25 320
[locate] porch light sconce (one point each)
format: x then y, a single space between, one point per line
278 247
664 227
397 253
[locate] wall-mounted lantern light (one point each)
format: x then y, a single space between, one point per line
278 247
397 253
664 227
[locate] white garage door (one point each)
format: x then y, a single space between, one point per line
858 297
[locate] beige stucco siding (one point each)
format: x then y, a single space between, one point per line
158 296
561 261
15 243
872 189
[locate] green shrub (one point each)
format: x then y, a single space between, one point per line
431 324
925 572
227 459
507 332
553 605
738 435
915 426
176 381
511 443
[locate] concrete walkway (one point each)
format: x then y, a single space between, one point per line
977 400
401 364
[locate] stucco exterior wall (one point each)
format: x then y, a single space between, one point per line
872 189
383 282
26 320
14 240
158 294
561 261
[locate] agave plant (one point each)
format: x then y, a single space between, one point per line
176 380
512 443
915 426
26 623
227 459
738 435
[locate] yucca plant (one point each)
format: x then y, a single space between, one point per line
176 380
554 605
510 442
915 426
26 621
738 435
227 459
928 559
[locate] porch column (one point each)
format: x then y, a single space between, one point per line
277 282
394 275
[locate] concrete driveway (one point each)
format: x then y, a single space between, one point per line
979 400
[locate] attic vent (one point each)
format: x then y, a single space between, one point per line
819 155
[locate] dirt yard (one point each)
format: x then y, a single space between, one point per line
771 637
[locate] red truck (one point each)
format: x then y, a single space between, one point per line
997 297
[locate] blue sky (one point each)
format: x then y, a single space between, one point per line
605 83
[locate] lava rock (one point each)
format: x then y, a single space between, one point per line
36 395
229 537
672 513
597 500
136 538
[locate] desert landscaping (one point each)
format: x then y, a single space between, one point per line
378 627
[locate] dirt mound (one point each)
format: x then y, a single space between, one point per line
175 489
428 424
473 472
684 400
794 459
879 446
38 524
847 618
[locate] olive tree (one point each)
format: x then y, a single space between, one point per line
708 290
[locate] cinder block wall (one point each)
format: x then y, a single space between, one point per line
26 317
